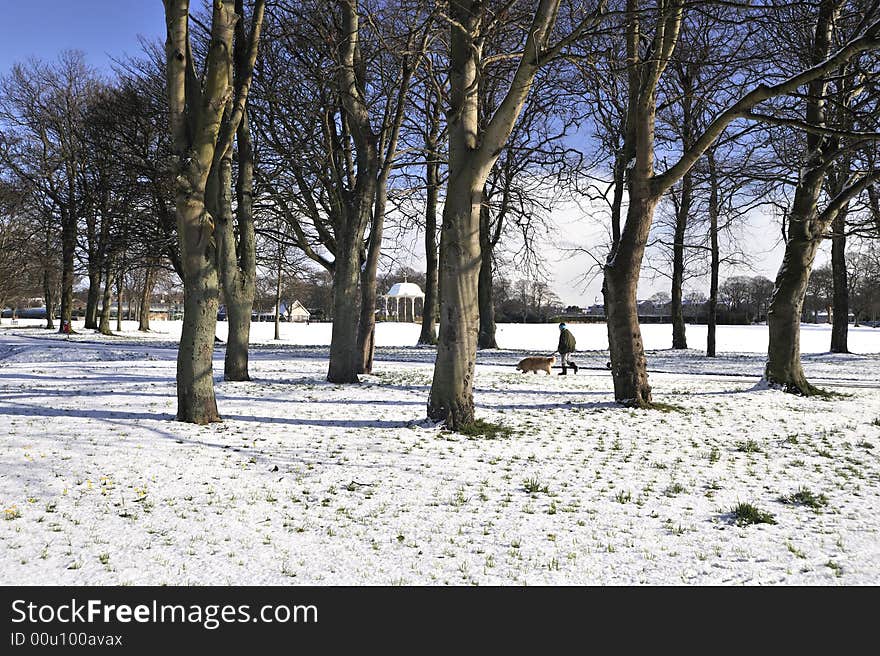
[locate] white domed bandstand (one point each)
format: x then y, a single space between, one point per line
409 293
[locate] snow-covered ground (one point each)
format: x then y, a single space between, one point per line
309 482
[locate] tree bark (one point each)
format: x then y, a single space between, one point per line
195 375
451 398
679 337
628 362
840 308
49 296
715 256
486 335
68 250
146 299
94 295
106 298
119 281
345 357
237 259
369 272
784 316
278 295
428 334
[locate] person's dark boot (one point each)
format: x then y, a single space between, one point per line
564 371
575 367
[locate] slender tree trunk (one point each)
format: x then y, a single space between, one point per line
119 280
840 310
367 322
486 335
451 396
278 295
715 255
431 303
146 299
237 260
94 295
106 298
679 338
68 249
49 296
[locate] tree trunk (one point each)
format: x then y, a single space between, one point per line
367 322
784 355
119 280
94 294
49 296
679 338
201 290
237 260
431 302
628 363
106 297
486 335
278 295
146 300
68 249
715 255
840 310
804 231
345 357
451 398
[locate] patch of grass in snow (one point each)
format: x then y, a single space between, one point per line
834 567
533 486
675 488
805 497
11 513
666 407
623 496
745 514
793 549
748 446
876 422
864 444
485 429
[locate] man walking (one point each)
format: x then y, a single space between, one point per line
566 347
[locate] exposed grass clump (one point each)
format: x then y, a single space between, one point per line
876 422
485 429
864 444
745 514
675 488
11 513
666 407
533 486
748 446
805 497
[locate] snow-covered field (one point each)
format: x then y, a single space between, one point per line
308 482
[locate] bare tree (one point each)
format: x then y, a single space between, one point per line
473 150
196 108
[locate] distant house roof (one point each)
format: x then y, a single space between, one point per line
297 308
405 290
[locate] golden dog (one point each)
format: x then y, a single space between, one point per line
536 363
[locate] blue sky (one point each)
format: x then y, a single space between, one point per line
103 29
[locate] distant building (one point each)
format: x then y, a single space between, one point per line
296 311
